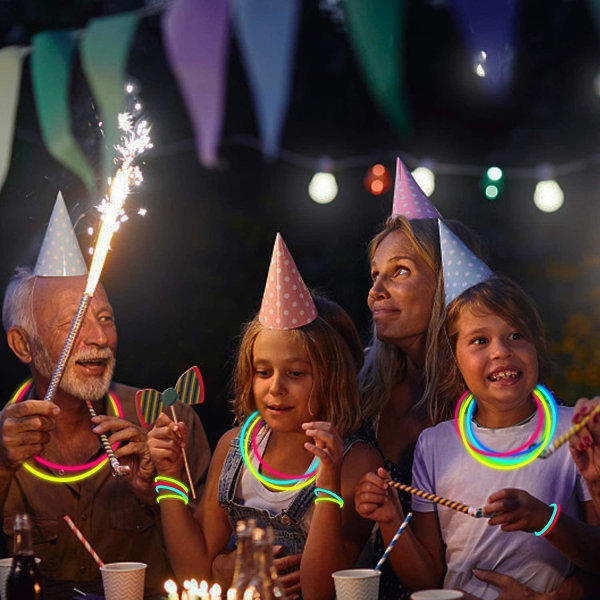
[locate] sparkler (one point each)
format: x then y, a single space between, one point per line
134 142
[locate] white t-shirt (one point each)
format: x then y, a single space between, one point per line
443 465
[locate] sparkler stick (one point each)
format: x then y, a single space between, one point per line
477 513
135 141
567 435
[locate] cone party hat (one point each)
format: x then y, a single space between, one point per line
286 303
60 255
409 199
462 269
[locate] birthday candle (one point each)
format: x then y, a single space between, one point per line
171 589
215 592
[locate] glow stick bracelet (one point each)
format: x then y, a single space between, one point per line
402 527
82 539
547 528
567 435
477 513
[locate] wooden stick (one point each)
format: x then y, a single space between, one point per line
185 460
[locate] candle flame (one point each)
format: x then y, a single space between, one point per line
170 586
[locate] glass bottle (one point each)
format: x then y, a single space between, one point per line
244 559
24 580
264 584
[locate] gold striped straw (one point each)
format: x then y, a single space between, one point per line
459 506
567 435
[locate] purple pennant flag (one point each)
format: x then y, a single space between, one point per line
195 33
490 26
266 32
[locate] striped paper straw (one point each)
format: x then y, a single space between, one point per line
82 539
393 542
567 435
468 510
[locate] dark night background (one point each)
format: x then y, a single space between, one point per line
184 278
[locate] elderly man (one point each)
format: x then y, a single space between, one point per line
51 459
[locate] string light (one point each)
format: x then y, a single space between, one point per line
479 63
377 180
323 187
425 177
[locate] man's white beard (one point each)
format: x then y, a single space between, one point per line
93 388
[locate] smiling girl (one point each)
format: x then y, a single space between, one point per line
296 392
491 343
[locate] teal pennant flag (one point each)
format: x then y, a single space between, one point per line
51 77
104 51
266 32
376 32
11 65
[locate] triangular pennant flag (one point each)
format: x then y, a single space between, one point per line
489 31
104 50
11 64
60 255
286 303
195 33
376 31
409 199
462 269
51 78
189 389
267 33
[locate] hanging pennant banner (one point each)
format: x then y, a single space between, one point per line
376 32
266 32
195 33
104 50
489 30
51 77
11 63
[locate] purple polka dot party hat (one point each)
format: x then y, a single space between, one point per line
462 269
409 199
60 255
286 303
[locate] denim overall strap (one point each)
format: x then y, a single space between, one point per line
232 467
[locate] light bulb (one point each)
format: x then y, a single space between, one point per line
479 63
425 177
323 187
548 196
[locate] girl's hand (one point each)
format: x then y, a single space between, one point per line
585 445
516 510
329 448
165 442
375 500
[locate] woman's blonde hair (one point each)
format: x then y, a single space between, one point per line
385 363
333 363
502 297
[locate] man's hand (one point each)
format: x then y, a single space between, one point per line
24 431
509 587
133 452
290 580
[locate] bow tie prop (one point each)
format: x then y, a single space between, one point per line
189 389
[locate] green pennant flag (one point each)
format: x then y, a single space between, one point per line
51 76
104 50
376 31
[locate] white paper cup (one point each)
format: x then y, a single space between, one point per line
436 595
5 564
123 580
351 584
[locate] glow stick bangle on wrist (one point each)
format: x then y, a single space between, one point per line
173 496
547 528
333 497
163 479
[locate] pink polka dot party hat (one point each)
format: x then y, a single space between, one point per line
286 303
409 199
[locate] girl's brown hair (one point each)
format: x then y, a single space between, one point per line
502 297
333 363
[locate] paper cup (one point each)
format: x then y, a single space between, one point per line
356 583
123 580
436 595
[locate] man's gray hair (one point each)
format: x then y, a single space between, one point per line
17 310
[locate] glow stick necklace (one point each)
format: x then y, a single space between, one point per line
520 456
290 482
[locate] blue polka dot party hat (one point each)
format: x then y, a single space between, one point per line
462 269
60 255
